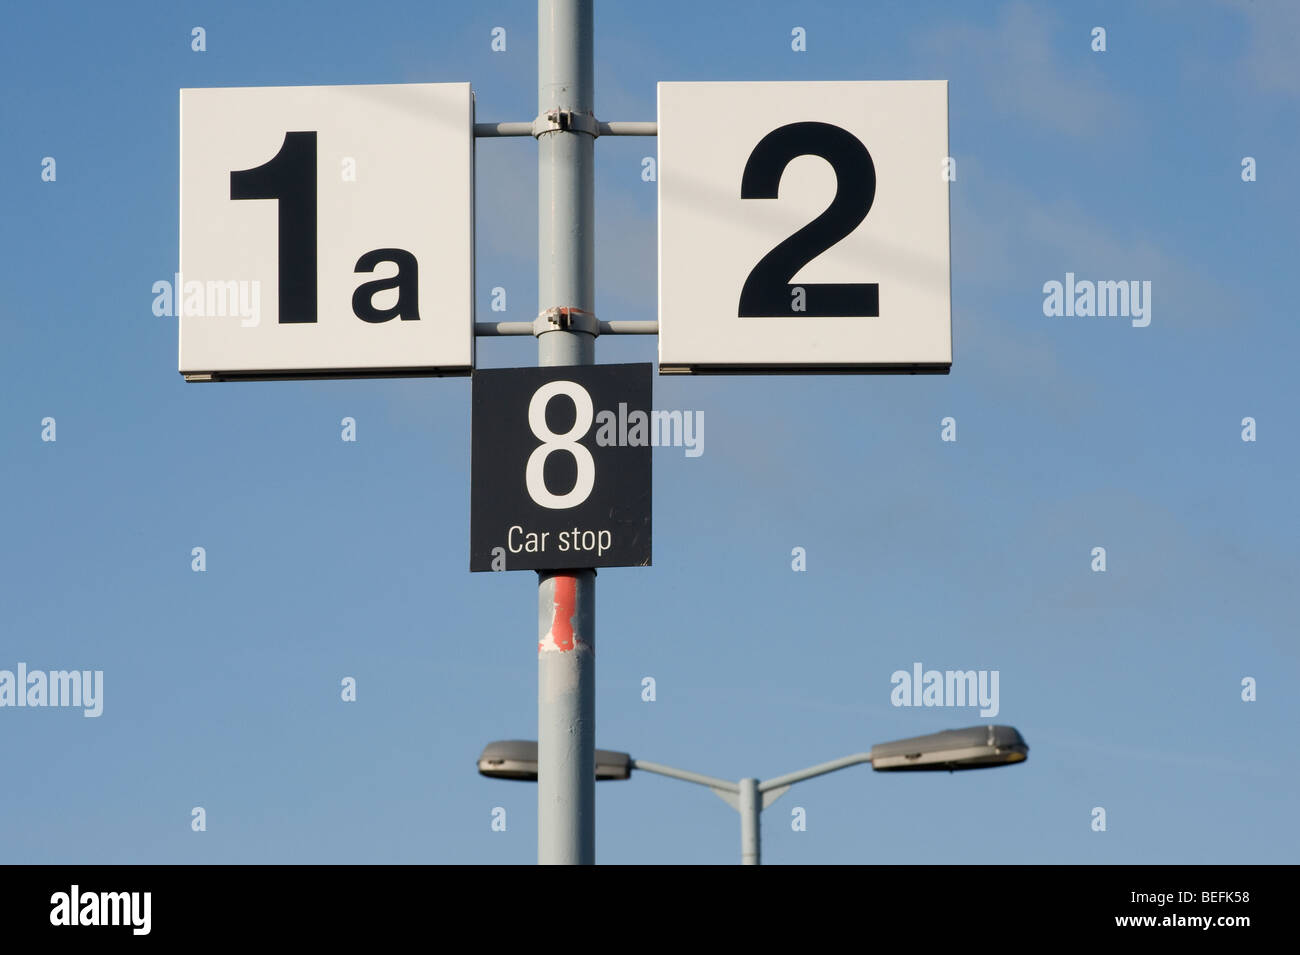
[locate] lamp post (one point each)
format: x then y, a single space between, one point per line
976 747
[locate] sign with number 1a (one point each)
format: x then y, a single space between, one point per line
326 231
803 227
560 467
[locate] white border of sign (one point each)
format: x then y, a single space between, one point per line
711 239
410 149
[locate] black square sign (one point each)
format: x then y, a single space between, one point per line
560 468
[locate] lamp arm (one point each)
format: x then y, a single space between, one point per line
789 779
710 781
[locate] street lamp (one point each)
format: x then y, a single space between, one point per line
976 747
517 759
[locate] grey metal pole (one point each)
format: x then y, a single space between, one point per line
566 675
751 805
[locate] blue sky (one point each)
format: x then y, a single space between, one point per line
328 559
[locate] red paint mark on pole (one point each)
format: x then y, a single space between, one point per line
566 599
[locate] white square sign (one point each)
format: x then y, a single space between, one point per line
326 232
804 227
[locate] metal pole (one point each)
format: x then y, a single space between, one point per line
751 804
566 675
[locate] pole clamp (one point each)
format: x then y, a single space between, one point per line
566 121
566 318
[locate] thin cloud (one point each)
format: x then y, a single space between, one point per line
1019 67
1270 60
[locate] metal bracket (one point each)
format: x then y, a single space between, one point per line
563 120
566 318
566 121
731 799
